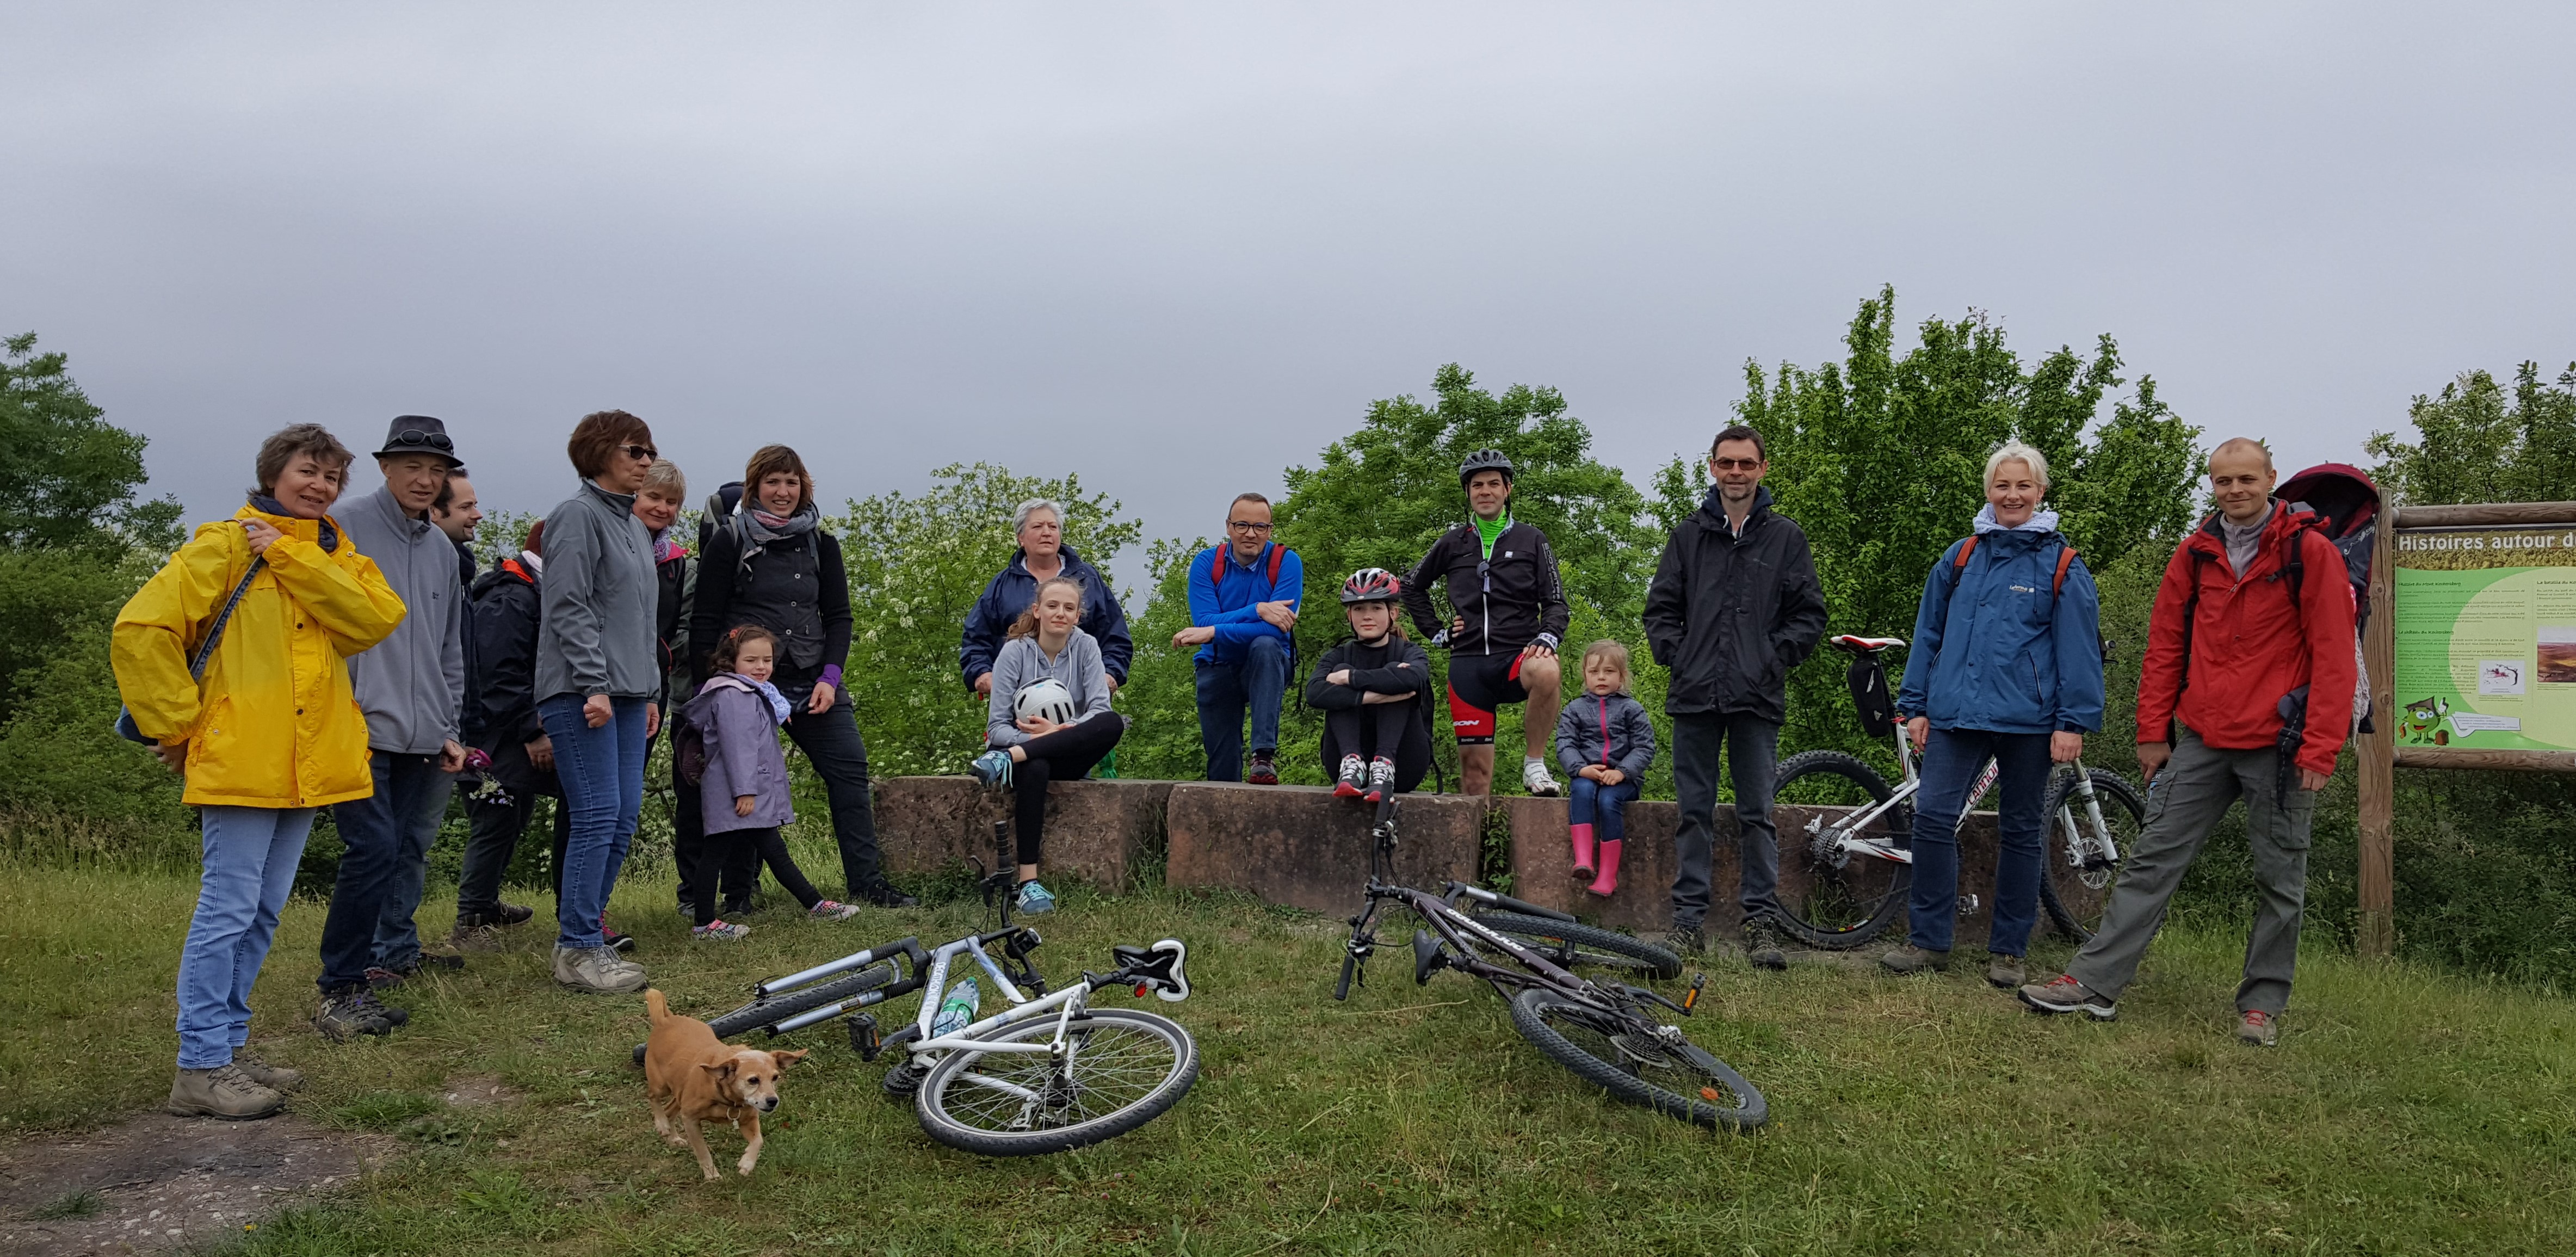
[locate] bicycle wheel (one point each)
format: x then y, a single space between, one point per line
1639 1060
2075 884
1127 1068
778 1008
1574 946
1829 897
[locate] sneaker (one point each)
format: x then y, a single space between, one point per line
832 910
1354 776
2257 1028
991 769
616 941
1381 781
353 1011
380 978
474 937
1034 899
274 1077
2003 972
596 970
2066 995
1762 946
719 931
1911 959
1265 772
1685 940
885 894
497 914
225 1092
1535 778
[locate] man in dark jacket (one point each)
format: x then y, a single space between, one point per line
1734 605
1039 527
500 719
1507 613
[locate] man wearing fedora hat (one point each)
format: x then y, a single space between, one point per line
411 687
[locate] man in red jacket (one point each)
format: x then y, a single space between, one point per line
2241 636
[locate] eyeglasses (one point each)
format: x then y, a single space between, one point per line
1245 525
1735 464
414 436
645 452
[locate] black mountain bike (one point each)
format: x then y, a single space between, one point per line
1606 1032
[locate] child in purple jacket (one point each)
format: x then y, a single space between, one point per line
744 792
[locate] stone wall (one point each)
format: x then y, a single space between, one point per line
1300 846
1097 831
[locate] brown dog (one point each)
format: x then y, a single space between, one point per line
691 1078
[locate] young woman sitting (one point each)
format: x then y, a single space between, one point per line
1374 691
1049 719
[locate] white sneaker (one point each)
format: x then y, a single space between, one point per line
1534 776
596 970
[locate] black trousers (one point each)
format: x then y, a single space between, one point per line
755 844
737 870
1393 730
830 740
493 827
1064 755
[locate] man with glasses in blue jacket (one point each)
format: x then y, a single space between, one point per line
1244 596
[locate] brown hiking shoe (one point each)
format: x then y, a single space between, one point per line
223 1092
273 1077
2257 1028
2003 971
1762 946
1911 959
476 938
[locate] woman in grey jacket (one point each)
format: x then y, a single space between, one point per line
597 672
1049 719
1604 742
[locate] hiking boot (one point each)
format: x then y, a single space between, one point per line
1685 940
1034 899
1264 771
1535 779
225 1092
992 769
880 892
274 1077
2066 995
1762 946
2003 971
353 1011
380 978
1381 782
497 914
1911 959
2257 1028
596 970
1353 778
832 910
719 931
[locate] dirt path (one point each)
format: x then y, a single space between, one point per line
158 1182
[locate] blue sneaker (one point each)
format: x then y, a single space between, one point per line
992 768
1034 899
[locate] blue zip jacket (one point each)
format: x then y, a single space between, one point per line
1010 593
1999 652
1228 607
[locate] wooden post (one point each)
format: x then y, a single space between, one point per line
2377 927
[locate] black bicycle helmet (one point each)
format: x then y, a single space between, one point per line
1371 584
1485 460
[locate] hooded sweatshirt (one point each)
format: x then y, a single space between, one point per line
1021 663
412 684
1997 646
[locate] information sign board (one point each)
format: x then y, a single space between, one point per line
2486 638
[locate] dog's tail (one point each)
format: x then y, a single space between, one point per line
655 1006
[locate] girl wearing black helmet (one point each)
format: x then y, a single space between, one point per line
1375 692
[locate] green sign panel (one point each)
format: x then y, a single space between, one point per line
2486 638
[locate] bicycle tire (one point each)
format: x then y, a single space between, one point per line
1587 1040
948 1123
1575 946
1838 907
2075 901
780 1007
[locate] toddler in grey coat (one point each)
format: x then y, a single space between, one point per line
743 790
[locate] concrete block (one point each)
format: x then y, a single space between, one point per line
1096 831
1300 846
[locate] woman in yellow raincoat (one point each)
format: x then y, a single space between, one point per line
271 733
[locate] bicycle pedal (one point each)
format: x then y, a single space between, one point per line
864 1037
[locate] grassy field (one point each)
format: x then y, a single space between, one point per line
2405 1112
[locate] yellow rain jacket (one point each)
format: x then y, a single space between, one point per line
274 724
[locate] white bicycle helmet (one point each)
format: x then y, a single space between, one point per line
1045 698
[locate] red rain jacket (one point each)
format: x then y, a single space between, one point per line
2250 646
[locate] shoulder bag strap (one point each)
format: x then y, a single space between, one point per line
215 631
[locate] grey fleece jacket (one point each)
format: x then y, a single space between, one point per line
1021 663
595 630
411 685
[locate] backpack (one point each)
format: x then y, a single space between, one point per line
2065 560
1217 565
718 516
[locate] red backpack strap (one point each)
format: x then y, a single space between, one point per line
2065 560
1278 555
1216 566
1959 565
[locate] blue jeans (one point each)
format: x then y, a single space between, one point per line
1605 808
602 771
387 837
1951 759
1257 680
250 859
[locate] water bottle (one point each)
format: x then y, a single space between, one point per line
958 1010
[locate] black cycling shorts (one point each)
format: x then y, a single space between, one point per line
1477 685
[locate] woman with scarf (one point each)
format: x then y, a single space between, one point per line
2006 665
269 732
770 563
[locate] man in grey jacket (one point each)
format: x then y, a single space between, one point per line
411 687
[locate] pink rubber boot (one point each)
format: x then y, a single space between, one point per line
1582 852
1608 884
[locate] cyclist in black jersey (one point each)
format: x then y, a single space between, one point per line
1507 614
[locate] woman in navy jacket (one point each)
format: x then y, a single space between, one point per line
2006 665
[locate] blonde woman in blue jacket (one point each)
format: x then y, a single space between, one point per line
2006 664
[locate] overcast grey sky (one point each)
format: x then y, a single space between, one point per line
1178 247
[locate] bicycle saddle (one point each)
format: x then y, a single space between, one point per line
1159 968
1427 959
1859 645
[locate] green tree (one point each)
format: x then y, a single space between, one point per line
2477 443
68 478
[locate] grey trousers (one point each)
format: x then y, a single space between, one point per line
2184 803
1753 746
